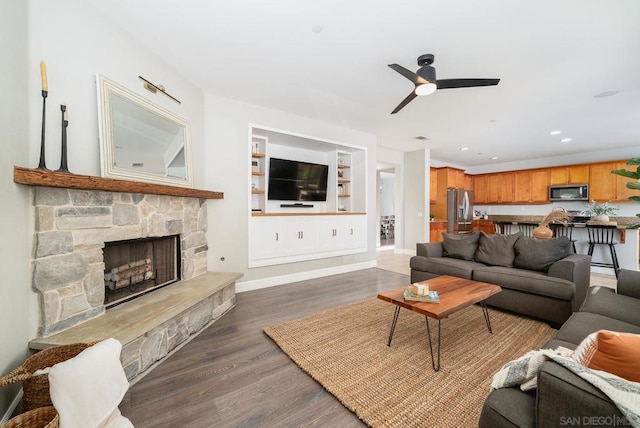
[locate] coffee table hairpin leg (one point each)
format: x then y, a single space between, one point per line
485 312
436 367
393 324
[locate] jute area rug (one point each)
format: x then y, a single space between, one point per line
345 349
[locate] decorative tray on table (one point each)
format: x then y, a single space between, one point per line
432 296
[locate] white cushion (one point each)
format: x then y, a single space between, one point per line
86 389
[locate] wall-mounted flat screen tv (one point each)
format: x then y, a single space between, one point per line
291 180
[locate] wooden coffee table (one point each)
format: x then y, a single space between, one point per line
455 294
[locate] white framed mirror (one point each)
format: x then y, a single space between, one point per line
140 140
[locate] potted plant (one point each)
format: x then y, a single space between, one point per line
633 184
600 212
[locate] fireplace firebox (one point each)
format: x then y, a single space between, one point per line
139 266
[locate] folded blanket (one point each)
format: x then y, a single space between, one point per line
524 371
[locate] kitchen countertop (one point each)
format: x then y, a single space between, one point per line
622 222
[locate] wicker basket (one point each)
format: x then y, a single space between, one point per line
36 388
42 417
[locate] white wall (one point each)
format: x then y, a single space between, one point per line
387 194
16 299
416 198
76 41
226 166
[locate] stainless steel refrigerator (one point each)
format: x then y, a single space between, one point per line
459 211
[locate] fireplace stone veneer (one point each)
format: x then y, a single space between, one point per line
71 228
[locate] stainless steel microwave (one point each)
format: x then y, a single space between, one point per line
569 192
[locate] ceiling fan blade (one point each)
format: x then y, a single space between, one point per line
417 80
404 102
465 83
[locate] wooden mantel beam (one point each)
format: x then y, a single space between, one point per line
39 177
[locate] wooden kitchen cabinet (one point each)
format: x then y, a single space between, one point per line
500 188
571 174
480 189
433 185
531 186
493 189
522 186
435 230
540 186
445 178
602 184
485 226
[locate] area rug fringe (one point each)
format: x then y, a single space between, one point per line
344 349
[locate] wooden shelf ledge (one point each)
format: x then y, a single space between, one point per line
39 177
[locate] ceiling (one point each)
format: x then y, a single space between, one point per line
328 59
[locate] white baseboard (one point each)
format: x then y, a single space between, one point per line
12 407
257 284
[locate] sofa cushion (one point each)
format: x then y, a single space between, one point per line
539 254
582 324
509 407
612 352
605 301
527 281
460 246
496 250
444 266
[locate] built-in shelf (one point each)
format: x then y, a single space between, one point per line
257 191
257 172
344 166
344 196
40 177
257 155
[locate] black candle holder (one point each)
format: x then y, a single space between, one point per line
42 164
63 156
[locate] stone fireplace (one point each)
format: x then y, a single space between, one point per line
77 221
139 266
72 227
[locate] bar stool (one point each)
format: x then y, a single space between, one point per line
527 228
564 230
603 235
502 228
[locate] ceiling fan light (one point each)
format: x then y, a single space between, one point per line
426 89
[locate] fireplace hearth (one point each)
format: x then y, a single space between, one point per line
136 267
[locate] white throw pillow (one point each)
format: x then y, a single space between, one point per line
86 389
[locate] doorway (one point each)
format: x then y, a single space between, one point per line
386 197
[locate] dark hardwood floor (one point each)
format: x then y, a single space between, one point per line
233 375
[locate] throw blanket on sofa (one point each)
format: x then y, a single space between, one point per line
524 372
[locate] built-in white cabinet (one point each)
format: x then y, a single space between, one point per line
343 232
258 172
344 182
286 239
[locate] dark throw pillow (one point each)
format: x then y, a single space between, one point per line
497 250
539 254
460 246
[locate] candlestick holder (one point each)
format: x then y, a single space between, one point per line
63 156
42 164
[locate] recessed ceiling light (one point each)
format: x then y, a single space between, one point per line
317 28
494 157
565 140
464 149
421 137
605 94
555 132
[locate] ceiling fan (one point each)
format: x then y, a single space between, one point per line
425 81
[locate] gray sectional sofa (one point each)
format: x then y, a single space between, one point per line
562 397
539 278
